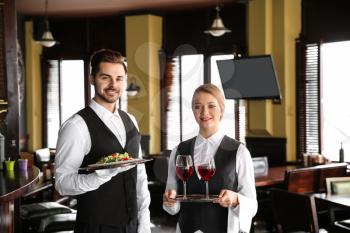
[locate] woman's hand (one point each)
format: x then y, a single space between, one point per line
169 197
227 198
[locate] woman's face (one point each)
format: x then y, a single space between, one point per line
207 112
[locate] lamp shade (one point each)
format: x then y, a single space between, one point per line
47 39
217 28
132 89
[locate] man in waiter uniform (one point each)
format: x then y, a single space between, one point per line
109 200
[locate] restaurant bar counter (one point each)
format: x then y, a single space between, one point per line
13 185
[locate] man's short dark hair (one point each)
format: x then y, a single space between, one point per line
105 55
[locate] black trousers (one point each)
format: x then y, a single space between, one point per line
82 227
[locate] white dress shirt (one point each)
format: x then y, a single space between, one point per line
239 217
74 143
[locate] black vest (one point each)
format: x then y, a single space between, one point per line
113 203
209 217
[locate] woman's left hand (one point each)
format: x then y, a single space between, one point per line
227 198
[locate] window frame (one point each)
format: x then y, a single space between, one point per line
45 76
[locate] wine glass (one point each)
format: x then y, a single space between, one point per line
184 169
206 171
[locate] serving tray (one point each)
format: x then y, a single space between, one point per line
93 167
196 198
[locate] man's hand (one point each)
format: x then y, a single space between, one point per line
109 173
227 198
169 197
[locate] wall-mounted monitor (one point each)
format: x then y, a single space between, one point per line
249 78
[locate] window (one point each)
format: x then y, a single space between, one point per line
183 74
322 97
335 95
65 95
187 75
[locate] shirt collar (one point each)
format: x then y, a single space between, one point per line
101 111
213 139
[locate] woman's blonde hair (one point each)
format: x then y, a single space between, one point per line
212 90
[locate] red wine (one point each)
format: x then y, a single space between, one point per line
206 173
184 172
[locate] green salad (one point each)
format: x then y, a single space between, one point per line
115 157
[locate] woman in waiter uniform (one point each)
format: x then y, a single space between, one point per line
233 180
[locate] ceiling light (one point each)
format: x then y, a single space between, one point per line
217 28
132 89
47 39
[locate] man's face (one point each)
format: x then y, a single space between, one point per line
109 82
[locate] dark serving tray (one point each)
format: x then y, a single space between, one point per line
93 167
196 198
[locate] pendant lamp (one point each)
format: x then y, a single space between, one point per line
217 28
47 39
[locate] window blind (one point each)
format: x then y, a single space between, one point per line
171 100
52 115
308 99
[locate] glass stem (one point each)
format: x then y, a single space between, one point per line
206 190
184 183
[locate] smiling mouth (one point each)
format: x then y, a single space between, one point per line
111 92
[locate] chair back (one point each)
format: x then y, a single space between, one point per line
43 155
338 185
329 170
294 211
261 166
302 180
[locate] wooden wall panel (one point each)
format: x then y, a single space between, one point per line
2 56
8 76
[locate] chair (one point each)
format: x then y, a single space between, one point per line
43 155
329 170
261 166
339 186
47 217
294 211
342 226
302 180
325 171
264 213
157 172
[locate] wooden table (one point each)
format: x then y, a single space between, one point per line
333 202
13 185
274 176
341 201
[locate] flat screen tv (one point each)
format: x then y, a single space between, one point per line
249 78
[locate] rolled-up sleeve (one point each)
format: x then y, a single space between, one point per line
142 192
240 217
72 145
143 200
172 183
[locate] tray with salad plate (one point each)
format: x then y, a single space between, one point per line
115 160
